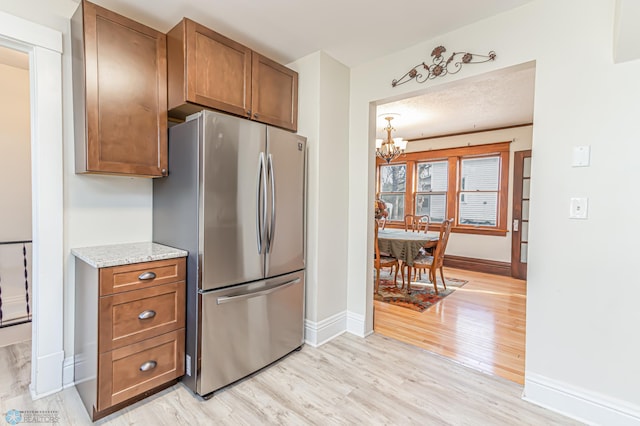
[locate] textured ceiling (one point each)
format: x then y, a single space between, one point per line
492 100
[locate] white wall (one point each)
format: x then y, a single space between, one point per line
323 118
482 246
333 193
15 154
308 125
582 294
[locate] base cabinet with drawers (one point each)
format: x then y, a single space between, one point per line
129 331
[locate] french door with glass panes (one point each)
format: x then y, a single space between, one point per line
520 224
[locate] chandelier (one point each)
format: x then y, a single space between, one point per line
390 149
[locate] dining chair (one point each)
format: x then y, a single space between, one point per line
423 226
381 223
410 222
384 261
435 262
423 223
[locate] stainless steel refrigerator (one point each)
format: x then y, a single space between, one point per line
234 199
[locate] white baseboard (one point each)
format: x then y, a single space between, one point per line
355 325
581 404
318 333
67 372
48 378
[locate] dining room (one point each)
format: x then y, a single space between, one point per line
463 173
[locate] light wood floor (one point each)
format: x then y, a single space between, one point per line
481 325
349 380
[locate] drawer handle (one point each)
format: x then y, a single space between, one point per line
227 299
149 365
147 276
146 314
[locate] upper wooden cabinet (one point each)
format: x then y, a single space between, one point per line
275 93
207 69
120 94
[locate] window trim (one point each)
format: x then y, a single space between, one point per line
453 156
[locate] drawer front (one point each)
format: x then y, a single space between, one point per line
134 369
131 317
119 279
247 327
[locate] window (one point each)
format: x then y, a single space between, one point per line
431 190
469 184
393 185
479 185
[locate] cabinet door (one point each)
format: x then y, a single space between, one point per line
126 95
218 70
275 93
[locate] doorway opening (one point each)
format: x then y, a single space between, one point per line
481 322
15 193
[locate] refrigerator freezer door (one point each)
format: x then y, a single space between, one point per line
247 327
232 200
285 207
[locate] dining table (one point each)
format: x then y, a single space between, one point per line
405 245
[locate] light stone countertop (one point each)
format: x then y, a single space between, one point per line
126 254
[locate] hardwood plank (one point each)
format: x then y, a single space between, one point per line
481 325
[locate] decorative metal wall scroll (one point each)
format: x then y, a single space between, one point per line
441 67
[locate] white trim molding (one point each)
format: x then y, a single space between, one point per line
67 372
29 33
319 333
356 325
44 46
581 404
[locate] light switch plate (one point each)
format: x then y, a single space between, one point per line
581 156
578 208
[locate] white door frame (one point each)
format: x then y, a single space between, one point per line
44 46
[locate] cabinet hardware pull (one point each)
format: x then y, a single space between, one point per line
255 115
149 365
147 314
249 113
147 276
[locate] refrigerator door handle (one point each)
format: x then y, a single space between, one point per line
272 180
261 211
228 299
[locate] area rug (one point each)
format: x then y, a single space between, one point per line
422 294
